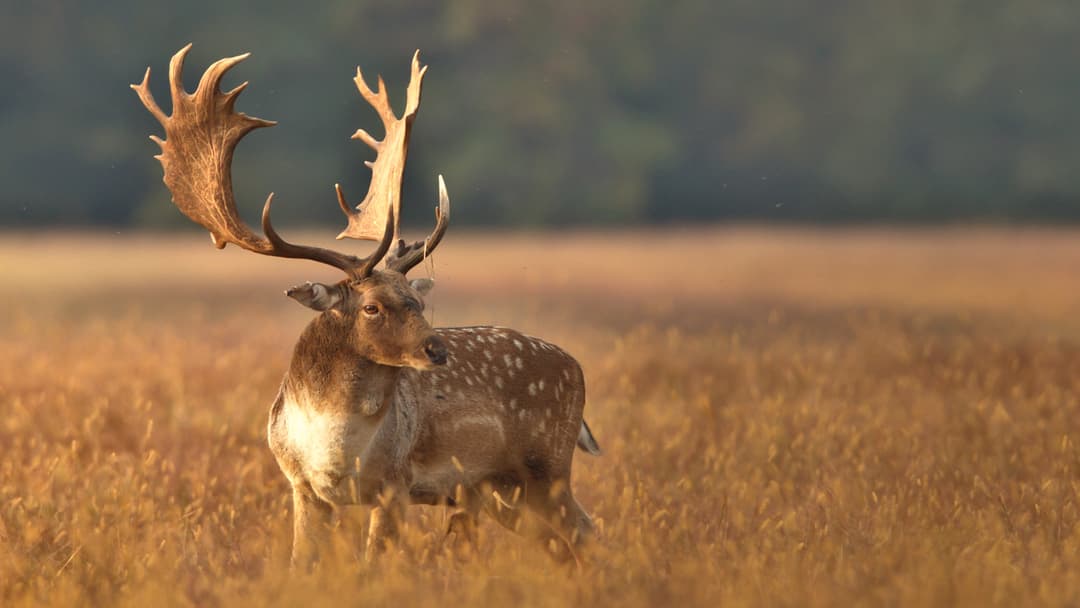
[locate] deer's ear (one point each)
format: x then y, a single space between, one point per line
315 295
423 286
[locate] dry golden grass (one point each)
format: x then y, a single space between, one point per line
789 418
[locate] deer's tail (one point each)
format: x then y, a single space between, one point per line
586 441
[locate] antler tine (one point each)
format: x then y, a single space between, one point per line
406 257
176 74
384 193
210 84
412 93
147 98
378 100
201 136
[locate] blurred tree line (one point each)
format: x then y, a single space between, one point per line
567 112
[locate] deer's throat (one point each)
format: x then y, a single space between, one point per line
329 373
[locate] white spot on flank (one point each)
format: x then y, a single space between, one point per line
566 374
480 420
532 388
513 403
541 385
469 380
520 364
517 343
521 414
487 353
498 381
507 361
541 427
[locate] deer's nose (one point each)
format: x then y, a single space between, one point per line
435 349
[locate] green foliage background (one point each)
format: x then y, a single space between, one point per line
568 112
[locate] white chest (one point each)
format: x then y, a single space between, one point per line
329 446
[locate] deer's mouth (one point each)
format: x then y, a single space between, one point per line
435 351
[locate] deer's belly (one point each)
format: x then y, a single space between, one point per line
326 450
461 450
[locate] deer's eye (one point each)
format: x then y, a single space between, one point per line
371 309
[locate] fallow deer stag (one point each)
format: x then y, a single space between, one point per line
377 407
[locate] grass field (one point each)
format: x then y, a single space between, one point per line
799 418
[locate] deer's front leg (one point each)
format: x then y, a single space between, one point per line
311 528
387 513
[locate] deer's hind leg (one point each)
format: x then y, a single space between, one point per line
461 529
562 526
556 519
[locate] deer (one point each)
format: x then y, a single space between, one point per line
377 408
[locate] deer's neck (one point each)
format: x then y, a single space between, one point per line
328 372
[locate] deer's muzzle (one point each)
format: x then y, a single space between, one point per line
435 349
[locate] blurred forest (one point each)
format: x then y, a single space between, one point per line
566 112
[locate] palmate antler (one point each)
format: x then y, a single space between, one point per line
196 155
382 204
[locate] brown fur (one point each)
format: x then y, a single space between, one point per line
364 417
